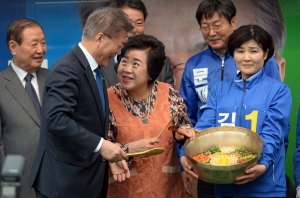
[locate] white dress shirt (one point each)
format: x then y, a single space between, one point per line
93 64
21 74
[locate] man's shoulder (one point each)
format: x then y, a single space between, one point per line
69 58
203 52
167 62
2 76
272 63
205 55
42 73
2 72
7 72
43 70
272 59
71 54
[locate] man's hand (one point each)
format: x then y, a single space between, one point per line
185 132
112 152
187 166
119 170
188 180
142 145
251 173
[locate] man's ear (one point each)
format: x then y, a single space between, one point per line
233 22
99 37
12 46
281 63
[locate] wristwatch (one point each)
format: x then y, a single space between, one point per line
125 148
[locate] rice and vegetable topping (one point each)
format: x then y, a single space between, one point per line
224 156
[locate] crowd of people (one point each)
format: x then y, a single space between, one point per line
114 93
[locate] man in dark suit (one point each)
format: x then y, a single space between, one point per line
70 159
137 12
19 120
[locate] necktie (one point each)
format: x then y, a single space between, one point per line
100 86
32 94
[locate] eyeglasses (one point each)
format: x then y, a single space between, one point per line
119 46
215 28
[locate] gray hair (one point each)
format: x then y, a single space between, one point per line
269 16
107 20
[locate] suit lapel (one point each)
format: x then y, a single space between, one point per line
106 102
106 105
15 87
91 79
41 78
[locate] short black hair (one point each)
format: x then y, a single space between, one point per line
135 4
251 32
207 8
155 50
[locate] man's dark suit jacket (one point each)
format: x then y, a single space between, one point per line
72 124
19 122
111 76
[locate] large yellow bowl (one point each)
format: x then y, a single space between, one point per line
224 136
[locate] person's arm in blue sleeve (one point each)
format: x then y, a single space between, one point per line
189 94
276 126
271 68
207 120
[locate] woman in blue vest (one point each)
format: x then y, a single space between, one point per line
255 101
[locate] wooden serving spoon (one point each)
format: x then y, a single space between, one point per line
154 151
172 128
167 124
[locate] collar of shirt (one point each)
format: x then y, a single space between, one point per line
92 62
222 57
21 74
116 58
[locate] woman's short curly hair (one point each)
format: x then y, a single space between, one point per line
155 50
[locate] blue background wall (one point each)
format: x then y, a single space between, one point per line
60 21
9 11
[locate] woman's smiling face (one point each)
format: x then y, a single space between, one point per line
132 70
249 58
